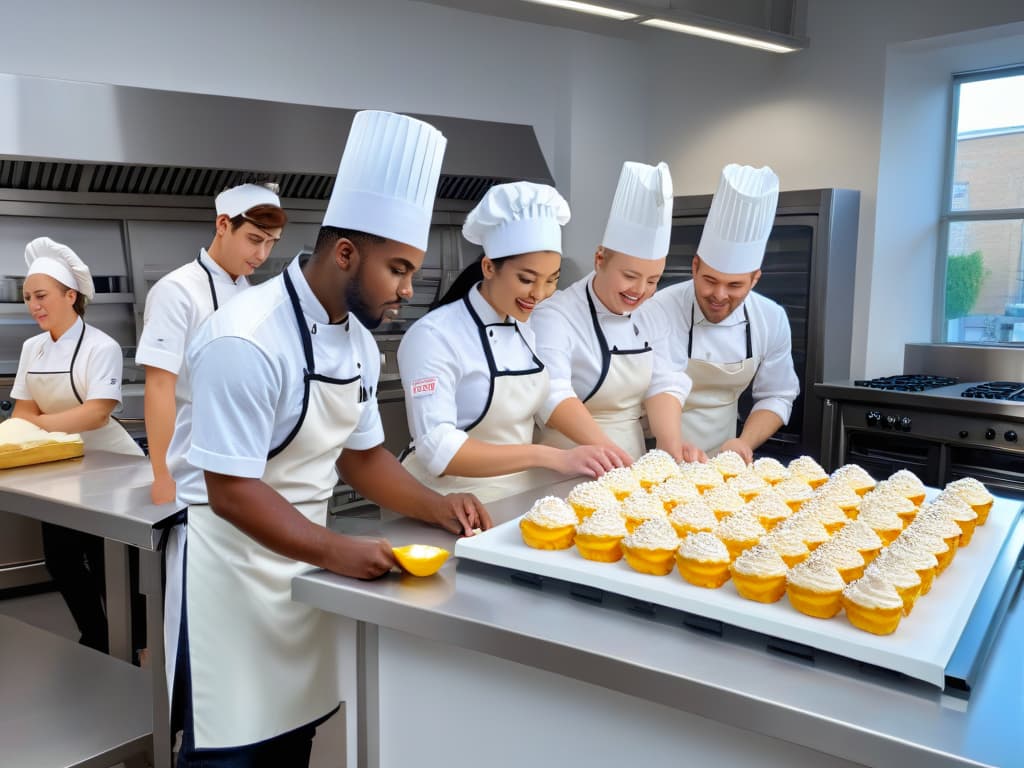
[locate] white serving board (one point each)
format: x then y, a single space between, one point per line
920 647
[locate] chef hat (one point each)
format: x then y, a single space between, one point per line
740 219
641 218
515 218
388 178
244 197
47 257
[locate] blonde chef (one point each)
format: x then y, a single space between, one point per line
69 380
597 346
284 381
473 382
730 336
249 222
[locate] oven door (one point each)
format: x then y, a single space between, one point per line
1001 471
881 454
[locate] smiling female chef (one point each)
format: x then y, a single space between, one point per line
472 380
69 380
597 346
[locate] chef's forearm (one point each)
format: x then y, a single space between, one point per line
477 458
664 414
759 426
159 412
573 420
92 414
377 475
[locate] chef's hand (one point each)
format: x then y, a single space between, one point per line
162 490
361 558
684 451
736 444
461 513
590 460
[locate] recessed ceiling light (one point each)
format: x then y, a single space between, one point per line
597 10
714 34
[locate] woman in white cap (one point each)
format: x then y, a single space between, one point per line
598 346
473 382
284 381
729 336
69 380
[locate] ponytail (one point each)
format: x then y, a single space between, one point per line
463 284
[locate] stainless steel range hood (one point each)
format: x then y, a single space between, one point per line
72 137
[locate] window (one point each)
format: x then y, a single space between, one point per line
982 242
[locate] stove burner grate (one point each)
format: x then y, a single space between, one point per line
996 390
909 383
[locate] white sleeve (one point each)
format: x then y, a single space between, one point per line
554 348
776 384
369 432
665 327
20 389
430 373
668 377
103 370
235 392
165 330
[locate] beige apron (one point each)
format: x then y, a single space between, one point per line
617 401
55 392
507 419
262 664
711 410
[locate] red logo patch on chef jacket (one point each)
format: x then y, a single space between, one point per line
424 387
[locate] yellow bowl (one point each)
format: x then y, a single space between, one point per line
420 559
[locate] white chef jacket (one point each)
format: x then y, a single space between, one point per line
775 384
567 345
98 367
247 367
176 306
442 352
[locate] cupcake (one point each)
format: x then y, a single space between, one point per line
975 494
704 476
550 524
795 491
861 537
880 515
651 548
906 483
692 517
772 471
703 560
808 470
815 588
621 481
913 550
748 484
856 477
841 556
825 512
587 497
598 537
769 508
759 574
935 523
960 512
789 544
902 576
842 495
728 463
810 530
639 507
675 491
886 495
654 467
873 604
739 532
723 501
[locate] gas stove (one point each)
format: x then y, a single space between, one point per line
912 383
1012 391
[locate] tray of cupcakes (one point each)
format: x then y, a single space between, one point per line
884 571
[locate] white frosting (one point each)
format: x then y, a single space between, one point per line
653 534
768 505
704 547
724 499
18 434
837 554
873 591
591 495
770 469
807 468
906 482
825 511
816 576
640 505
838 492
860 535
935 524
970 490
696 514
854 476
604 522
954 507
794 489
655 466
729 463
786 542
739 527
760 560
907 549
896 572
551 512
810 529
748 481
921 540
880 513
676 490
701 474
620 480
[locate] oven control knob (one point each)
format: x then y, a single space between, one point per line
905 423
890 422
963 434
990 434
873 418
6 405
1011 436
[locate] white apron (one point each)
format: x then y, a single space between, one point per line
711 410
507 419
174 559
260 663
55 391
617 401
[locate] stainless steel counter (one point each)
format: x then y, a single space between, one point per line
828 705
929 400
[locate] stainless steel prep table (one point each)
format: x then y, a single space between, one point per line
107 495
825 705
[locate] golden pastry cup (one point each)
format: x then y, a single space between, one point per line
927 579
870 554
601 549
748 495
656 562
946 558
795 504
877 621
850 510
582 512
727 475
685 529
909 596
632 523
864 490
792 561
908 517
721 514
769 522
831 528
887 535
703 573
760 589
966 531
982 510
820 605
817 482
669 505
620 495
737 546
917 499
703 488
539 537
852 573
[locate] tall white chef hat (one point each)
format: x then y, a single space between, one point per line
388 178
640 221
740 219
48 257
238 200
515 218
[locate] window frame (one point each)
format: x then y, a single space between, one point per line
948 216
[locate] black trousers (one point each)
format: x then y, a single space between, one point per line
75 562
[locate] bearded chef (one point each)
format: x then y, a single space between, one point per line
597 345
729 336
